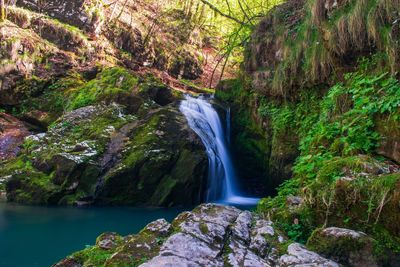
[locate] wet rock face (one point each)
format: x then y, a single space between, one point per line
210 235
12 134
86 15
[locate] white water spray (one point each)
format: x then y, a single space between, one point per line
204 120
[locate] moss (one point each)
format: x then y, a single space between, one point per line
319 242
347 192
138 247
203 228
196 88
149 170
131 250
143 137
26 184
108 85
92 256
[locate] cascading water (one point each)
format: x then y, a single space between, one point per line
205 121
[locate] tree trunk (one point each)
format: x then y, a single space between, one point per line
2 10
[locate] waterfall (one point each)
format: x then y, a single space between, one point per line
228 125
205 121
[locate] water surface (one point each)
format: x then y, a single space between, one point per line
40 236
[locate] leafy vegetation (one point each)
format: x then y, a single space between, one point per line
334 131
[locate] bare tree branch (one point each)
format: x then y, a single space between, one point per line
223 14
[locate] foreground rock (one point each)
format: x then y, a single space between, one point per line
210 235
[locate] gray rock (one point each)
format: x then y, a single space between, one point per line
242 226
294 201
169 261
203 236
342 232
298 255
253 260
259 243
192 249
243 256
160 227
211 233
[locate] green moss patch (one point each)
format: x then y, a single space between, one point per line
109 85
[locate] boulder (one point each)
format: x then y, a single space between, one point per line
128 39
348 247
38 118
64 36
214 235
24 75
108 241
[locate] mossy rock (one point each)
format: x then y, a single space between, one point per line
362 181
163 159
111 85
345 246
64 161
